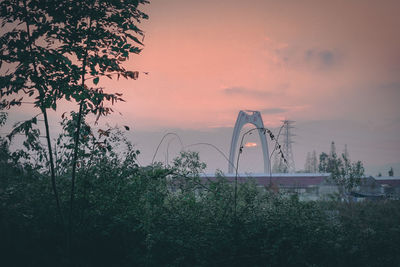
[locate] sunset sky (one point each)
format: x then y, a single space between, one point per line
304 60
332 66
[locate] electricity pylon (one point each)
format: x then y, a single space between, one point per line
287 145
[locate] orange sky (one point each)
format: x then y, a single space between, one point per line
304 60
332 66
333 62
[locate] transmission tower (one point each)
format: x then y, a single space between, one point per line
287 145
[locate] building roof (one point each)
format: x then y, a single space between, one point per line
295 180
388 180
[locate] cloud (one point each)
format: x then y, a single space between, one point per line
391 86
322 58
299 56
273 110
246 92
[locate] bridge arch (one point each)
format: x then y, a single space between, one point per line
252 117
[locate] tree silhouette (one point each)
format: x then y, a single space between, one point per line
34 71
344 173
60 49
391 172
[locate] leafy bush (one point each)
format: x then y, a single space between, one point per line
127 215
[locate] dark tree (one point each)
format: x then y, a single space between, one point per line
344 173
323 162
59 49
33 71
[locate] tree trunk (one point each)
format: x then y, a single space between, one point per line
46 122
76 146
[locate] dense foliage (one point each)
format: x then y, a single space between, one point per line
58 50
345 173
128 215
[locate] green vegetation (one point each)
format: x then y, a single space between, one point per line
391 172
346 174
127 215
58 50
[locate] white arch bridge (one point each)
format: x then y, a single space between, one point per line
252 117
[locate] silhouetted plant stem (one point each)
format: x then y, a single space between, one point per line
237 167
277 146
76 145
74 161
46 121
